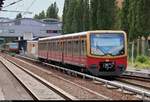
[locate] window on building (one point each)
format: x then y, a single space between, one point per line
11 31
55 31
1 31
51 31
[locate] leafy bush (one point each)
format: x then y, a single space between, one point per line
142 62
143 59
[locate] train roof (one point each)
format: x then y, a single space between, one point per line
62 36
81 34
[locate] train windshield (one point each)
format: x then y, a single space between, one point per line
107 44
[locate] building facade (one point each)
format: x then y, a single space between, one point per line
28 27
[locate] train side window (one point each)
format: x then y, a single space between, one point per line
65 47
85 51
57 46
39 45
54 46
42 46
50 46
82 47
46 47
62 43
76 48
69 48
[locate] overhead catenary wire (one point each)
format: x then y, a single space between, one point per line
12 3
29 6
16 11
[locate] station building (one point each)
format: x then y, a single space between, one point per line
25 29
21 28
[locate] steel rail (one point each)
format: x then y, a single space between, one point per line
137 74
142 93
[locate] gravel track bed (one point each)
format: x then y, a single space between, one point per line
52 77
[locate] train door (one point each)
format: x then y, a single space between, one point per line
49 50
62 50
83 51
59 52
76 52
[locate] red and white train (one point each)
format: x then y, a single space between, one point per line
102 53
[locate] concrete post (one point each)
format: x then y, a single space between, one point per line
138 47
143 46
19 38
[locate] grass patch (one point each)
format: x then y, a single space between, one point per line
142 62
12 53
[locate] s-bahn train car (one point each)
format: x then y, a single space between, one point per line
11 47
101 53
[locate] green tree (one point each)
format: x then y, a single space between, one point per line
18 16
132 19
36 16
65 11
70 16
106 14
42 15
93 14
118 21
75 20
103 14
86 15
124 16
52 11
143 18
143 21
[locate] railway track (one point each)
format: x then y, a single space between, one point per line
37 87
108 84
83 92
137 81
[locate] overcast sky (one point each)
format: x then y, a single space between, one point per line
34 6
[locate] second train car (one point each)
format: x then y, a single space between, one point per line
101 53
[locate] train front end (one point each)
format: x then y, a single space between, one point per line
107 53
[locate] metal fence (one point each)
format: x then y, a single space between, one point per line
139 47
